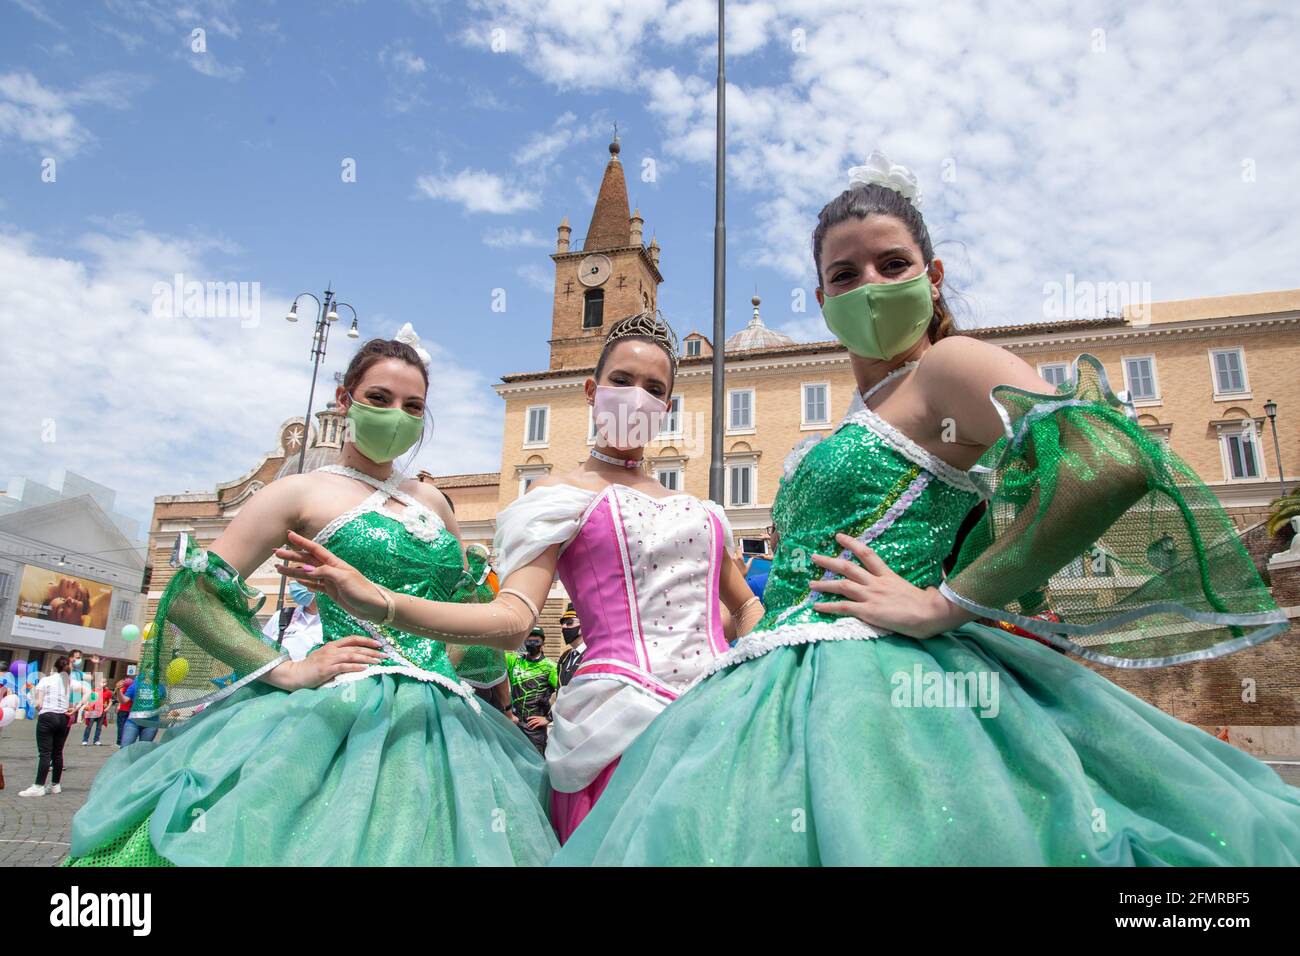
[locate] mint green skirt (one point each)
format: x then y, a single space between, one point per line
385 771
825 754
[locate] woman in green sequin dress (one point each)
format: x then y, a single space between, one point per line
868 719
371 750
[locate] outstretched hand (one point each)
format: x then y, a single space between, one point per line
877 596
325 573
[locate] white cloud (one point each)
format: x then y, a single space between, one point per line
477 190
37 9
541 149
40 116
401 60
1043 146
512 237
543 280
150 405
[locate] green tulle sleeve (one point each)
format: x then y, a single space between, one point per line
479 665
205 641
1100 540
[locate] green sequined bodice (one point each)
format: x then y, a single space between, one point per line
380 546
870 482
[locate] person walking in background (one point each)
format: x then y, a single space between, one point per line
123 706
93 714
54 707
533 682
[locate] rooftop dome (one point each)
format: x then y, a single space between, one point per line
756 335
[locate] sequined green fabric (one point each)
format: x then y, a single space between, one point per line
404 564
855 482
132 848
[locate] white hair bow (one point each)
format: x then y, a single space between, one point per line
407 335
879 170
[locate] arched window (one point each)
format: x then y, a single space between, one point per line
593 308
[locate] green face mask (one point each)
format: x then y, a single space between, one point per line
381 434
880 320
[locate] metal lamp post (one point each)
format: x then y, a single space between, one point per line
717 477
326 315
1270 409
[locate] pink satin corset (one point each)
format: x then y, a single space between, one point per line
643 575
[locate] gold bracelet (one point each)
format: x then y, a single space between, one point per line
389 604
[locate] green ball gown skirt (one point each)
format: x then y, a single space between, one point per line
821 741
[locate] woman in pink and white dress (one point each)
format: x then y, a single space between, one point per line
648 571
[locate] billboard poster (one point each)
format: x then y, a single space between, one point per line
60 607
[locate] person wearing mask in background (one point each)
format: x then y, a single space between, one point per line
533 682
571 629
54 706
297 626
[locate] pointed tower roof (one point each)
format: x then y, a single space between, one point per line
610 221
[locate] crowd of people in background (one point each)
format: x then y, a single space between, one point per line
75 690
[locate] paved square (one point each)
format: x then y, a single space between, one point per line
34 830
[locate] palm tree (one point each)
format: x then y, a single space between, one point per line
1282 510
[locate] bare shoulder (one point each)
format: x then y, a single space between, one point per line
962 359
424 492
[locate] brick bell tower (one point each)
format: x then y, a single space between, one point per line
614 275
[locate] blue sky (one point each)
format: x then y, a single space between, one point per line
1111 142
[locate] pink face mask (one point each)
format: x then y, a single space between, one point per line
627 417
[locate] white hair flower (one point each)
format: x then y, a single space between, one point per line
407 335
880 171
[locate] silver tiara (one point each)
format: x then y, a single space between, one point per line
648 324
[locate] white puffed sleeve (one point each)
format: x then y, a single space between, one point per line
729 540
547 515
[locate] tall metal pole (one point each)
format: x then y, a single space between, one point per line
717 475
317 353
1271 409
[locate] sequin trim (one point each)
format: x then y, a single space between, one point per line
420 521
1269 623
429 677
811 632
909 449
797 455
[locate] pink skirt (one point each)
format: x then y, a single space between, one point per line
570 809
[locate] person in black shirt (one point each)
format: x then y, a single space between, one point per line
571 629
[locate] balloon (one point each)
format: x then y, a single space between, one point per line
94 696
9 703
8 716
18 669
176 671
130 632
147 633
